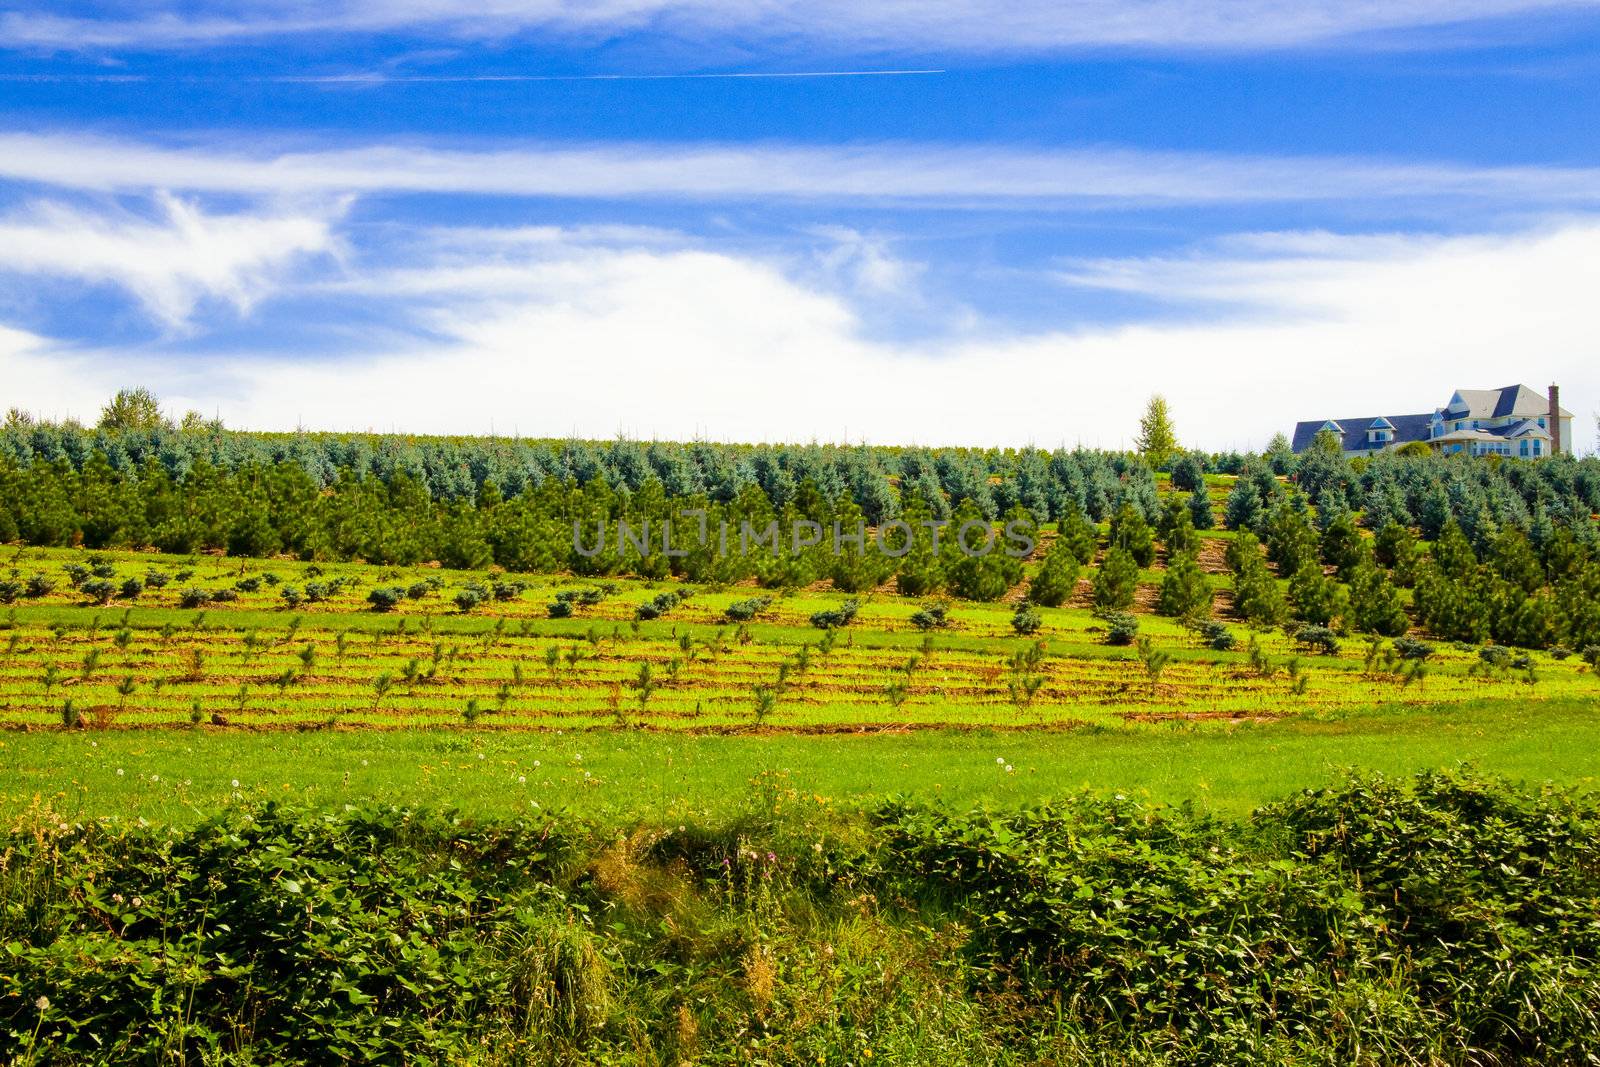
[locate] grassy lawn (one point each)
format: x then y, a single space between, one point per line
178 775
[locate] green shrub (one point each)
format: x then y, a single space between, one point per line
1412 649
836 618
385 598
1026 621
746 610
1121 627
99 590
194 598
1217 636
1318 639
932 617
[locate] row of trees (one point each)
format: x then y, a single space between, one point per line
879 480
1532 591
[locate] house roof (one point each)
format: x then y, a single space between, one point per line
1510 400
1516 401
1406 428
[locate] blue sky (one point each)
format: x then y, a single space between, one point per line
935 222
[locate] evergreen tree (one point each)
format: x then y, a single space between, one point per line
1116 582
1176 530
1057 577
1200 515
1342 545
1291 539
1376 606
1317 599
1187 473
1243 509
1075 532
1130 532
1185 590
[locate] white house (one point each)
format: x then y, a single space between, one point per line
1516 422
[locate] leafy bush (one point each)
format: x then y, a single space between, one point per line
1591 656
10 591
931 617
38 586
560 609
317 592
746 610
154 579
470 596
1121 627
1318 639
251 584
836 618
1232 941
418 590
77 573
290 596
130 589
385 598
223 596
508 590
1495 655
194 598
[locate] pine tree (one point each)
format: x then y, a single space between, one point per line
1342 546
1176 529
1116 581
1291 540
1200 515
1375 603
1075 532
1157 441
1317 599
1131 533
1185 590
1057 578
1243 510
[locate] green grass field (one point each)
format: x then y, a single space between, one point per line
503 708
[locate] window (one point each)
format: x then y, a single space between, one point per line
1524 450
1536 447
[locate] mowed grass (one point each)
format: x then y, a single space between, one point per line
663 777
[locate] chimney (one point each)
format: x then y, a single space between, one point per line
1555 420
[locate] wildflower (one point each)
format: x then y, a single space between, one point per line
43 1003
236 783
816 846
999 759
119 772
522 779
363 763
1009 768
536 763
155 778
137 902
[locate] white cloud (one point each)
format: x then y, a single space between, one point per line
170 263
883 26
595 339
883 173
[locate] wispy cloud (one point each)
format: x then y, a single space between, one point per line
925 25
876 172
597 334
169 263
